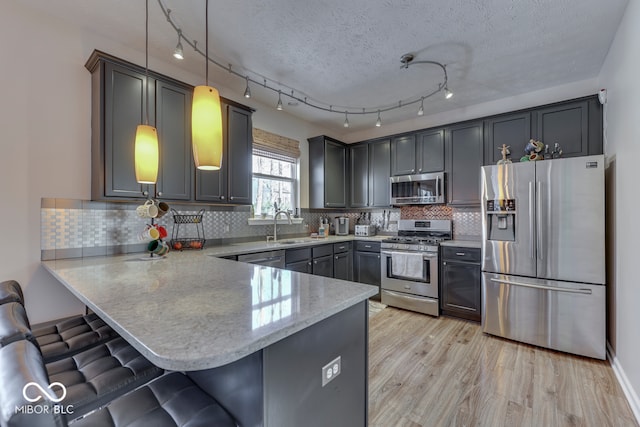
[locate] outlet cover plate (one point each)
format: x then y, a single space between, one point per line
331 370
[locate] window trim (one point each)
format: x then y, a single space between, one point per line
294 180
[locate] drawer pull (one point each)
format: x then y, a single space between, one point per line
460 253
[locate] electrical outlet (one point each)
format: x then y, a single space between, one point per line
331 370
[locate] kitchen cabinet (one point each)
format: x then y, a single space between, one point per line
232 183
119 105
366 263
342 261
430 151
403 155
322 260
359 170
461 282
566 124
513 130
418 153
327 173
369 174
298 259
464 144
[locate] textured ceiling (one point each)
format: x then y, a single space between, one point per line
347 52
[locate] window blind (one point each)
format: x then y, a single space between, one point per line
272 143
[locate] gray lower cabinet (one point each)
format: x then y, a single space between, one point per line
466 153
232 183
327 173
322 262
460 294
514 130
366 263
342 261
298 259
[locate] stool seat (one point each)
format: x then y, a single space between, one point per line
170 401
71 336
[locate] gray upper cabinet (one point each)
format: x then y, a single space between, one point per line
513 130
379 173
118 107
359 155
430 151
403 155
566 124
327 173
232 183
239 149
173 121
466 152
369 172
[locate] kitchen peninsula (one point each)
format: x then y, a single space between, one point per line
260 336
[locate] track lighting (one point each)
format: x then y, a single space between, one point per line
407 60
447 93
247 91
177 53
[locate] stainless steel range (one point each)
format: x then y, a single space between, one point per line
409 265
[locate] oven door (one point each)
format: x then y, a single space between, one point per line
427 287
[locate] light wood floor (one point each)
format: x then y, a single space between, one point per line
431 372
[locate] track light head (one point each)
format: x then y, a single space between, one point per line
178 53
346 120
447 93
279 106
421 109
247 91
379 121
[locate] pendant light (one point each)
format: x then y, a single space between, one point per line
146 154
206 118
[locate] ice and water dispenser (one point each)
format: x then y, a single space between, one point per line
501 219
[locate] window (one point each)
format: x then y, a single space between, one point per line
274 181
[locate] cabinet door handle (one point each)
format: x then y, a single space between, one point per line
420 170
221 197
413 170
336 256
315 262
159 193
309 263
378 256
444 262
367 246
231 198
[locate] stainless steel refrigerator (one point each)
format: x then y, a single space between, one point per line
543 238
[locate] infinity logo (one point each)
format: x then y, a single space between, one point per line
44 392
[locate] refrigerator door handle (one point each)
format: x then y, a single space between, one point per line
539 220
546 288
532 242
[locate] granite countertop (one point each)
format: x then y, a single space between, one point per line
284 243
192 311
462 243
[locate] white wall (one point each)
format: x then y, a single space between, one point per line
45 138
619 75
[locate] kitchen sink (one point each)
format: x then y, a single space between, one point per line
290 242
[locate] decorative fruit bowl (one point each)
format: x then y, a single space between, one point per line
181 244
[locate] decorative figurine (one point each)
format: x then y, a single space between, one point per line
533 151
505 152
557 151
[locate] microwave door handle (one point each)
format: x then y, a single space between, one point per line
437 187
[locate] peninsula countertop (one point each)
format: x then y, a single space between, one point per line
192 311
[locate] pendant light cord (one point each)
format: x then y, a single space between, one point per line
206 41
146 58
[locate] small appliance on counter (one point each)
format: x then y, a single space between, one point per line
365 230
341 226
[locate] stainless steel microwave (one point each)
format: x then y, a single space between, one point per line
423 189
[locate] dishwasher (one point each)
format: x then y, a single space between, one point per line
269 258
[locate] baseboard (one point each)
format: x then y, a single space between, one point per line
629 392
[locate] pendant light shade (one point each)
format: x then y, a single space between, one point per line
146 154
206 128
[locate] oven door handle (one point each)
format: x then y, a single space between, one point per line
425 255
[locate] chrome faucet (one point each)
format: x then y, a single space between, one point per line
275 224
